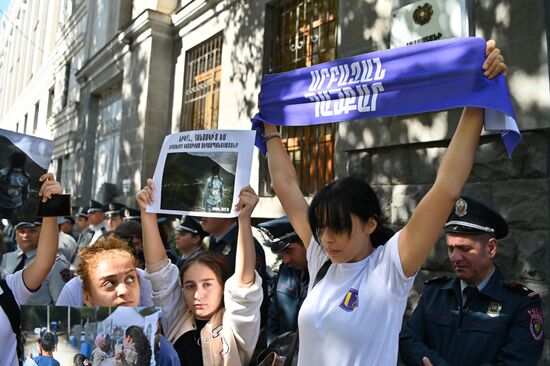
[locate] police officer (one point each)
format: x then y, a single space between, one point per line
189 236
113 214
96 218
27 236
291 282
479 317
84 236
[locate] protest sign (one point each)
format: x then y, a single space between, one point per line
201 173
424 77
63 332
23 159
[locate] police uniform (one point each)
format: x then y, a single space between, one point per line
227 246
100 228
189 224
84 237
52 285
500 322
290 285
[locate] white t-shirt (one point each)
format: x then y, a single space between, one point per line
353 316
8 353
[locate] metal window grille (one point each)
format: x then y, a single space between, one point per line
107 148
305 35
202 85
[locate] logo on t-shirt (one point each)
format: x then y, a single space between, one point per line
351 300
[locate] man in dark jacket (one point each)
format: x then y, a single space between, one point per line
223 240
290 285
479 317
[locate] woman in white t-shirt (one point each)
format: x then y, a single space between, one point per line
353 316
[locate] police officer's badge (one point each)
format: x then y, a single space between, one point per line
494 309
536 323
111 207
461 207
423 14
226 249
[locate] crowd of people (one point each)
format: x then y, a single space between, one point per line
343 283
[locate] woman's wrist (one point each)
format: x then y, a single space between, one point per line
244 220
271 135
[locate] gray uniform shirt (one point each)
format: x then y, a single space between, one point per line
51 287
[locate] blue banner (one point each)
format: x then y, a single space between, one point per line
426 77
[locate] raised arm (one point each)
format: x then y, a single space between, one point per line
423 229
245 260
153 248
285 185
35 273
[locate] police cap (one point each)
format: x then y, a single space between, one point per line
82 212
113 209
280 232
94 206
473 217
131 214
191 225
28 224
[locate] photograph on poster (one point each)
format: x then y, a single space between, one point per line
23 159
102 335
201 173
199 181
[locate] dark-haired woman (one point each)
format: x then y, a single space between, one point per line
353 316
211 318
136 349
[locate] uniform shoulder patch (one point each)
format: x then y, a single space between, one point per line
436 280
518 287
536 323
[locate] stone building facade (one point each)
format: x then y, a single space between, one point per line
116 76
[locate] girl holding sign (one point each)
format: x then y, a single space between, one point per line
353 316
210 317
18 288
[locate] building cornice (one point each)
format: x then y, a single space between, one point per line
191 10
159 23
